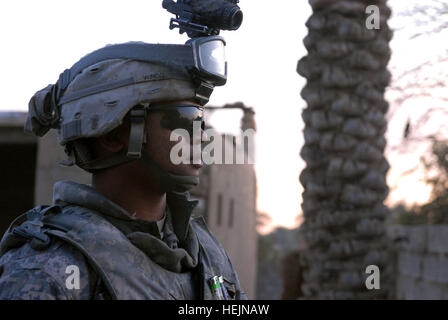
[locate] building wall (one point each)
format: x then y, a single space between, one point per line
17 166
235 186
422 262
48 170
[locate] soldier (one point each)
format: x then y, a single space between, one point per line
130 234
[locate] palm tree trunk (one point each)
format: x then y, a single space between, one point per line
344 179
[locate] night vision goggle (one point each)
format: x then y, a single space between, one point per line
209 59
203 57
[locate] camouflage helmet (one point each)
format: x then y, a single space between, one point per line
98 113
93 97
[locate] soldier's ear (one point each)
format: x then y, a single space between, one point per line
115 140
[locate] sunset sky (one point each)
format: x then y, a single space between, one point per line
42 38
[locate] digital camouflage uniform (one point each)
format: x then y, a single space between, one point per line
172 268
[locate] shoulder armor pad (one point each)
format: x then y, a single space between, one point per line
28 227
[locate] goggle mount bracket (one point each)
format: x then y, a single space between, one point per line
203 92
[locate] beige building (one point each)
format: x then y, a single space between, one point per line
227 193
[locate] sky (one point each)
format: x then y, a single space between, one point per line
42 38
409 52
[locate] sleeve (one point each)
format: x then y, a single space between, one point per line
242 295
27 274
31 284
239 294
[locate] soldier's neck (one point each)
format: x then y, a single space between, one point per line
136 194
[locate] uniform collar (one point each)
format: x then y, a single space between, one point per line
73 193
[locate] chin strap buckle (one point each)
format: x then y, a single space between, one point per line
203 92
137 136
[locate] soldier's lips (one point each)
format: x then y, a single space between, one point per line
197 165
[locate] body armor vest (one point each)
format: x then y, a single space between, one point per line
126 271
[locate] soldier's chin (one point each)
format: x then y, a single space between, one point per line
188 170
183 185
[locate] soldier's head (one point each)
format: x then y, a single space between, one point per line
118 106
161 120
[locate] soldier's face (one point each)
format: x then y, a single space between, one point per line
159 144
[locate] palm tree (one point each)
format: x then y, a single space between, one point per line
344 179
